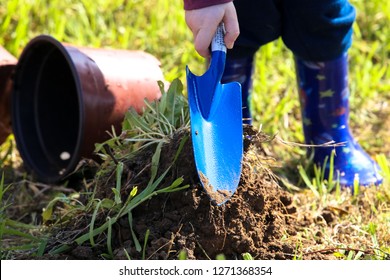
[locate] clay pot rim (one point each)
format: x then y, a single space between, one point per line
25 55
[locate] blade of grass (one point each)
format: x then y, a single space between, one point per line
109 238
135 239
92 223
119 172
306 179
145 243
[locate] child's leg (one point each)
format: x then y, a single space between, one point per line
318 30
319 34
240 70
260 23
323 91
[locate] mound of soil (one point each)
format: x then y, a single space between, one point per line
254 220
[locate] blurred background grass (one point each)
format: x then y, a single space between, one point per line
158 27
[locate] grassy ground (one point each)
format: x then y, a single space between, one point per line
158 27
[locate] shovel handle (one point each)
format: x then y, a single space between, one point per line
218 55
218 43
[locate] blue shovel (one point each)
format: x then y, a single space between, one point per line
216 125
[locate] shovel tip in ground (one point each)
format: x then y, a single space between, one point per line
219 196
216 192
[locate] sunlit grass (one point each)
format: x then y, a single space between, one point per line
158 27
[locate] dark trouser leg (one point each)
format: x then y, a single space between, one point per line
240 70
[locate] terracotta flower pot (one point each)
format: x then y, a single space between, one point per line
7 66
66 98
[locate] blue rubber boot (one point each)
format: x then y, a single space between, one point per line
324 98
241 70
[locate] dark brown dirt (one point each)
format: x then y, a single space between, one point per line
253 221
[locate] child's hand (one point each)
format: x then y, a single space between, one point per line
204 22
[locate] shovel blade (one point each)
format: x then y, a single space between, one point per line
216 130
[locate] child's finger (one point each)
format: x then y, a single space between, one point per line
231 27
203 40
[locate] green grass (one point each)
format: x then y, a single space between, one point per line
154 26
158 27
